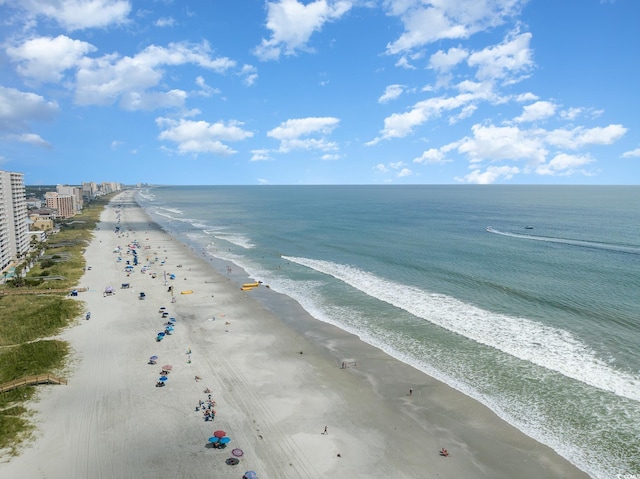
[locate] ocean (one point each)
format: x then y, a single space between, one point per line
524 297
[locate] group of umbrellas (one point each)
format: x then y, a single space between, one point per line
166 369
168 327
220 437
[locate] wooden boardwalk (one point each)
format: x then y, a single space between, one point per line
9 292
31 381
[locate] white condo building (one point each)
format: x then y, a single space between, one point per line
14 229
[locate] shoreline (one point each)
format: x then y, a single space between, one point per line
276 386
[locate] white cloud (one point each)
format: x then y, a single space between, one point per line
539 110
80 14
503 143
523 97
18 109
165 22
200 136
46 58
380 167
490 175
30 138
104 80
631 154
205 90
579 137
445 61
505 60
291 132
250 74
404 172
391 93
292 23
571 113
399 125
428 22
564 165
260 155
148 101
432 156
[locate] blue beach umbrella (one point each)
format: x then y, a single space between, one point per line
162 378
250 475
153 358
172 320
225 440
214 439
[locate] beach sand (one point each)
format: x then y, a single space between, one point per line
275 374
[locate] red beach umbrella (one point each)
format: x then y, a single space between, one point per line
167 367
219 434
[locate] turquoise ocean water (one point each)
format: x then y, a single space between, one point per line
542 324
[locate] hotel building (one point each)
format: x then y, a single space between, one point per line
14 228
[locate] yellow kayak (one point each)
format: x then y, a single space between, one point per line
251 285
186 292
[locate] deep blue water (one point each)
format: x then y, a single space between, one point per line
542 324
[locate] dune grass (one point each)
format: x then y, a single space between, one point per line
27 322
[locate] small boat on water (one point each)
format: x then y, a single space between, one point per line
528 227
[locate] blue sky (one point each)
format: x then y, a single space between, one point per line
321 92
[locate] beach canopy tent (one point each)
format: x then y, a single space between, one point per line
142 296
125 286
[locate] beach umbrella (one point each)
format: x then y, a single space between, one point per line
219 433
167 367
173 320
214 439
232 461
237 452
250 475
153 358
162 378
225 440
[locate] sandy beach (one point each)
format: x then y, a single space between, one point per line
275 374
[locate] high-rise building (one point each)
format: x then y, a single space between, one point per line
63 204
14 228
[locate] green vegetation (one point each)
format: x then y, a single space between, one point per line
27 320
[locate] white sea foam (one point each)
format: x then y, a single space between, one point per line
173 210
545 346
236 239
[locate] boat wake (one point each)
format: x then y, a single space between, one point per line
571 242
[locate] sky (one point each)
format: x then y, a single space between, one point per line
249 92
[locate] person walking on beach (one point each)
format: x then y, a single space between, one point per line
410 391
325 430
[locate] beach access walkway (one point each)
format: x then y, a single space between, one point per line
31 381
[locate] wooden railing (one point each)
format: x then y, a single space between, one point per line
8 292
30 381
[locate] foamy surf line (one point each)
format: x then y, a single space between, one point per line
548 347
